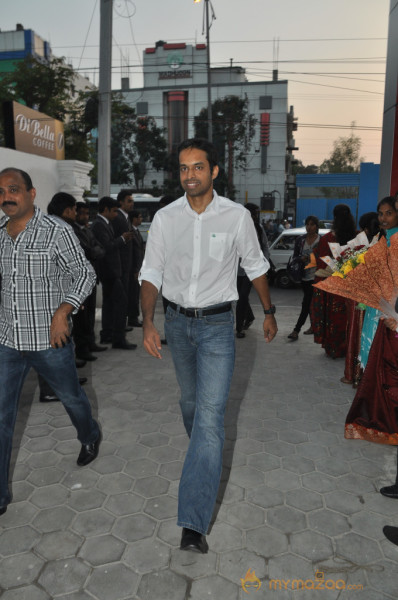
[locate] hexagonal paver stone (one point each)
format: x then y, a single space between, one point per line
356 484
154 439
263 435
115 483
193 565
234 565
108 464
40 444
247 477
64 576
266 541
214 586
80 479
363 549
318 482
141 467
50 495
265 496
163 584
147 556
134 527
282 480
169 532
373 528
245 516
293 436
311 545
82 499
29 592
171 470
286 519
161 508
93 522
329 522
54 519
304 499
164 454
127 503
151 486
288 567
20 569
298 464
101 550
224 537
343 502
45 476
333 466
21 490
18 540
280 448
264 461
59 544
40 460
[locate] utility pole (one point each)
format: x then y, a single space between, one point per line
104 110
209 108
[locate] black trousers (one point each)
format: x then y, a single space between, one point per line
243 309
83 324
308 289
114 310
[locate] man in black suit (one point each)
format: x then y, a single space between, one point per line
121 224
138 256
114 297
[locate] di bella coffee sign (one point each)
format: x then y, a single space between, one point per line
28 130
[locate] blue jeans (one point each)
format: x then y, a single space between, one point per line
203 351
57 366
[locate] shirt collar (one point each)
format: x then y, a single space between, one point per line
124 213
105 219
213 206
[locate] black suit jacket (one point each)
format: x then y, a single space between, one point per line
120 225
92 248
138 251
109 266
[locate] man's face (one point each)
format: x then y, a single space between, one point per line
195 175
15 200
82 216
127 204
69 214
110 213
137 221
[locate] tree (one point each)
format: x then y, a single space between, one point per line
233 131
299 168
149 147
345 157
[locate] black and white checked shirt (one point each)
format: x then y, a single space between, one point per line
44 267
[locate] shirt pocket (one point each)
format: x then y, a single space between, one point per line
219 245
37 261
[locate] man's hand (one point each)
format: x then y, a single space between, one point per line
270 328
127 236
151 339
59 330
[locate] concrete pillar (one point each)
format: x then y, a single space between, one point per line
74 177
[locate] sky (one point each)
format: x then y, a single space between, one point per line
332 53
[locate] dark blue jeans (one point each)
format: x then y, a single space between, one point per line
203 351
57 366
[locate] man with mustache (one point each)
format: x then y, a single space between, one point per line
193 250
45 278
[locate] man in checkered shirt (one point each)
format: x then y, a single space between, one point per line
45 278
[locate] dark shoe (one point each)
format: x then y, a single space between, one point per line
89 452
247 324
163 342
87 356
135 323
49 398
97 348
240 334
391 534
124 346
3 509
345 380
128 329
293 336
79 363
194 541
391 491
105 340
309 331
83 380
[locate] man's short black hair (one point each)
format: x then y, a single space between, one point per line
60 202
27 180
81 205
134 214
122 195
106 202
201 144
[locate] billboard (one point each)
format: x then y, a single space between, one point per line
29 130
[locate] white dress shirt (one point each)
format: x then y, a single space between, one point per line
195 256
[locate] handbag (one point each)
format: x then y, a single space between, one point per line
295 269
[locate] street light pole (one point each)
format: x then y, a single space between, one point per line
209 109
104 109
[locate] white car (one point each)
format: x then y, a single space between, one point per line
282 249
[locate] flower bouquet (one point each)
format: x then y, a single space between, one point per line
371 277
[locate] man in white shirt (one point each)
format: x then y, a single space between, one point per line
192 252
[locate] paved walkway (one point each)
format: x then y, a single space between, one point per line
297 501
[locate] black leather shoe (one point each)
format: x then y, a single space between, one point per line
49 398
391 491
83 380
124 346
135 323
128 329
3 509
87 356
105 340
194 541
163 342
240 334
79 363
391 534
89 452
97 348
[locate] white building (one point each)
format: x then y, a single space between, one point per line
175 91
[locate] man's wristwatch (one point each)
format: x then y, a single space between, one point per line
271 310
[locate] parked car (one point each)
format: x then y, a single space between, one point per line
280 252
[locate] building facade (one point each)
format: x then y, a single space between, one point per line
175 91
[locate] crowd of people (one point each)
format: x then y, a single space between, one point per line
345 328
